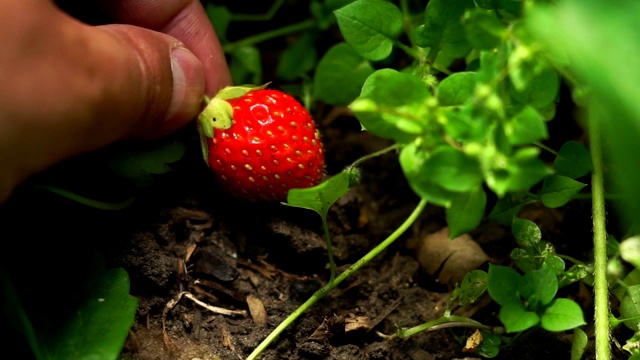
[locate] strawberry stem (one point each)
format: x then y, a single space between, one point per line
327 235
332 284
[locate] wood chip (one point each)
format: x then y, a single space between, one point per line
473 342
257 310
353 323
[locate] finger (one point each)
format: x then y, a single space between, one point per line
70 88
185 20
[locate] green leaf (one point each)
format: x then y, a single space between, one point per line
555 264
517 172
472 286
457 88
101 324
507 208
516 318
504 284
453 170
574 273
220 17
320 197
490 345
630 250
392 105
557 190
544 284
573 160
140 162
465 212
526 127
579 344
413 161
526 232
578 31
484 31
370 27
541 91
298 58
246 65
562 315
442 29
340 75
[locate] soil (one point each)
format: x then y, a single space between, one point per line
183 236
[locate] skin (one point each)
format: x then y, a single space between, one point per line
67 87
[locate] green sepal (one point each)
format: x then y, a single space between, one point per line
218 113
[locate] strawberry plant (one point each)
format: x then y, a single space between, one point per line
466 89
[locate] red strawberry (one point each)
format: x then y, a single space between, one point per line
270 147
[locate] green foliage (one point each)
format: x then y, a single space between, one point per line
141 163
97 329
320 197
340 75
528 300
471 288
370 27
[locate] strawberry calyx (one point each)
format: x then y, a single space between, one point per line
218 113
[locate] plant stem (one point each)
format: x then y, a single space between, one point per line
259 17
545 147
86 201
331 285
327 235
372 155
600 244
268 35
443 322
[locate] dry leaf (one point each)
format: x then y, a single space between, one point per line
473 342
451 259
257 310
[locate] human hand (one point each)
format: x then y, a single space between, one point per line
67 87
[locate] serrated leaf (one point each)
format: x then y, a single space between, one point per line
526 127
557 190
340 75
388 98
526 232
573 160
298 58
562 315
457 88
465 212
442 29
370 27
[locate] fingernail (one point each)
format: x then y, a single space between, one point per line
188 85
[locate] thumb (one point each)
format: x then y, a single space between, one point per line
155 80
93 86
